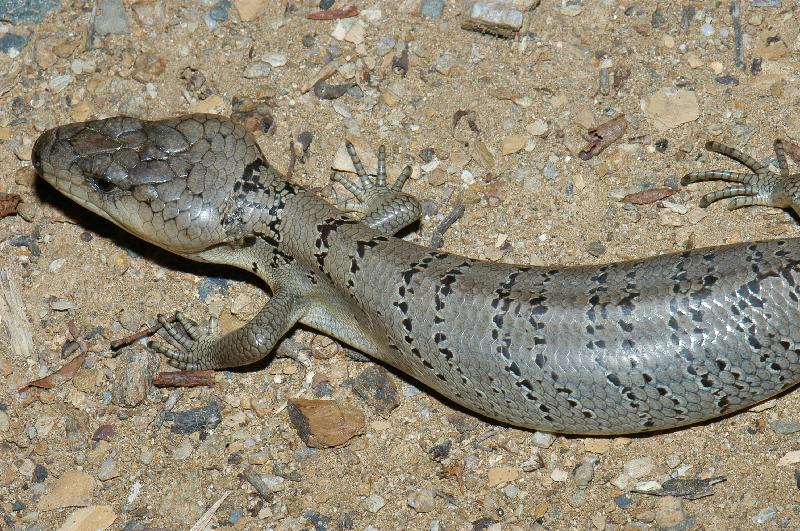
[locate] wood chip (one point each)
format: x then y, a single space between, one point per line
185 379
64 374
645 197
334 14
15 321
603 136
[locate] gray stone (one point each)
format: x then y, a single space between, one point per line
111 18
21 11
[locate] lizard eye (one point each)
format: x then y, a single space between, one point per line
101 185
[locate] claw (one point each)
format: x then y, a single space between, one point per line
763 187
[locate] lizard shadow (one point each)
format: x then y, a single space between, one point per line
134 246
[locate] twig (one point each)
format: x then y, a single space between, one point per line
738 47
254 478
437 238
204 520
147 332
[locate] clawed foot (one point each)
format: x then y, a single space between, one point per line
382 207
762 187
187 342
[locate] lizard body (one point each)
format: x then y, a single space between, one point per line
626 347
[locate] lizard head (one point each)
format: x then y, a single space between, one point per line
169 182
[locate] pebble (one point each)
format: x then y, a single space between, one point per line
5 421
90 518
200 419
622 501
108 470
149 13
637 468
72 489
257 70
764 515
670 107
59 83
432 8
325 423
785 427
375 387
375 503
11 44
422 501
559 475
790 458
584 472
502 474
538 128
241 303
111 18
512 491
578 498
132 376
275 59
542 439
62 305
27 11
39 473
673 460
670 514
513 144
219 12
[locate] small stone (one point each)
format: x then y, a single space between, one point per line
375 503
670 107
72 489
61 305
584 472
132 377
111 18
512 491
108 470
502 474
673 460
538 128
785 427
542 439
39 473
790 458
19 12
241 303
432 8
92 518
257 70
149 12
637 468
375 387
513 144
59 83
11 44
196 420
764 515
623 502
422 501
669 513
559 475
596 446
275 59
5 421
325 423
250 9
596 249
219 12
148 67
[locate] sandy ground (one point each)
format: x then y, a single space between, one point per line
534 95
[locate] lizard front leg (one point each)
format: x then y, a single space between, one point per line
248 344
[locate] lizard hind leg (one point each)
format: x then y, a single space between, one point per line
385 208
763 187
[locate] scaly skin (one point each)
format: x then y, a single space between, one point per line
619 348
